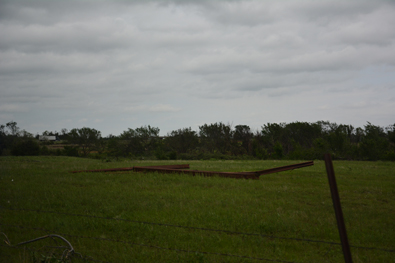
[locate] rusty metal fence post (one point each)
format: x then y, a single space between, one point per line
338 209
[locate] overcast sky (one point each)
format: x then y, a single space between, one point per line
114 65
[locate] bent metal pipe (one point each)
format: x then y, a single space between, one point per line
181 169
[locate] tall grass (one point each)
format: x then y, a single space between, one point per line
293 204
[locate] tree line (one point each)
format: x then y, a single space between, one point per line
296 141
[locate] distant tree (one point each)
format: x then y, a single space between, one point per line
25 148
303 133
357 136
9 136
140 141
100 145
216 137
391 138
25 134
295 140
182 140
71 151
243 135
272 134
391 134
374 144
277 151
339 139
3 139
85 138
257 146
13 128
114 148
63 135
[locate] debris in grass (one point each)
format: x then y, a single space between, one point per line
181 169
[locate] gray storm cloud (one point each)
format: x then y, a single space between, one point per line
111 65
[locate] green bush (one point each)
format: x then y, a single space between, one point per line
25 148
172 155
44 150
389 156
278 151
71 151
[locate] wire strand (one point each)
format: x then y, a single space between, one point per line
199 228
156 247
179 226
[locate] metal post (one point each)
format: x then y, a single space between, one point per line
338 209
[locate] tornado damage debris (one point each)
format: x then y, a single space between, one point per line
181 169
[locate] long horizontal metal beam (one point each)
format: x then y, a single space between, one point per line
180 169
246 175
285 168
177 166
104 170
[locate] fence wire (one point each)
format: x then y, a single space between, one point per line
200 228
49 253
136 244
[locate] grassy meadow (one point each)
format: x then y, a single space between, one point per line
107 216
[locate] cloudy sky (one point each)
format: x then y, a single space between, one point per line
114 65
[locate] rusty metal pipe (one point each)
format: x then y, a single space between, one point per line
180 169
284 168
177 166
246 175
338 208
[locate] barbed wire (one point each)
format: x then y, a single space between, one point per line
177 226
146 245
199 228
68 252
75 254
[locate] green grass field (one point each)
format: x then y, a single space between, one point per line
107 216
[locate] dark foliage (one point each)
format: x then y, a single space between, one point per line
70 151
87 139
296 140
216 138
139 142
182 140
25 148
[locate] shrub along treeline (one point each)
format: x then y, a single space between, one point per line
296 140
